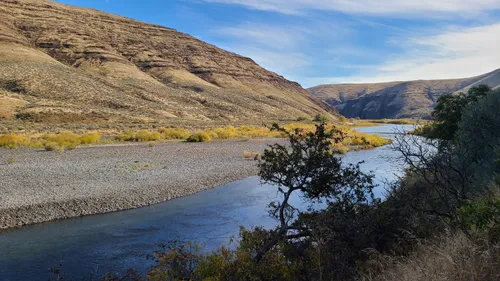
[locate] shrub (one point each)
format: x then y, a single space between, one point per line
141 136
12 141
199 137
144 135
90 138
320 118
53 146
227 132
62 139
175 133
251 131
125 136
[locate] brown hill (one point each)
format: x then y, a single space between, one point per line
63 64
412 99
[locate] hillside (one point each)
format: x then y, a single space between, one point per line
66 65
411 99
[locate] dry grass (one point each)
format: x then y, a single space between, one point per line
251 155
450 258
69 71
9 105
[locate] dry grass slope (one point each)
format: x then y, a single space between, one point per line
66 65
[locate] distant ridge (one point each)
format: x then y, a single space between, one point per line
410 99
64 64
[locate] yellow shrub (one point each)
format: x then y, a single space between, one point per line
144 135
340 150
199 137
227 132
12 141
90 138
62 139
175 133
293 126
141 136
53 146
126 136
247 131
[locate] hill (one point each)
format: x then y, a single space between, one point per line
410 99
61 64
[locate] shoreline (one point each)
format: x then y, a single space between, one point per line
45 186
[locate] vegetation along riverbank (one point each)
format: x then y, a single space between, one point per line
439 222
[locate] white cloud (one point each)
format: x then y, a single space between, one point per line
277 38
455 53
375 7
283 49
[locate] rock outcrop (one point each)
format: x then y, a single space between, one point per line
412 99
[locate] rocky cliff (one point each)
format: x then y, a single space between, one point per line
63 64
411 99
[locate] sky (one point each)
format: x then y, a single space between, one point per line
337 41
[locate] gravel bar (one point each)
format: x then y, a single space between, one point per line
38 186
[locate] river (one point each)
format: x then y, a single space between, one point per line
116 241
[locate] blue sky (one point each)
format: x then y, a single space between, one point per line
337 41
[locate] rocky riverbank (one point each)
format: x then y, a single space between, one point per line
38 186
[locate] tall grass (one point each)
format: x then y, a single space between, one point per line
452 257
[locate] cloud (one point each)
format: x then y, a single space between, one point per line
283 48
454 53
277 38
375 7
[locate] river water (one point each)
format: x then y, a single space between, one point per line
117 241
